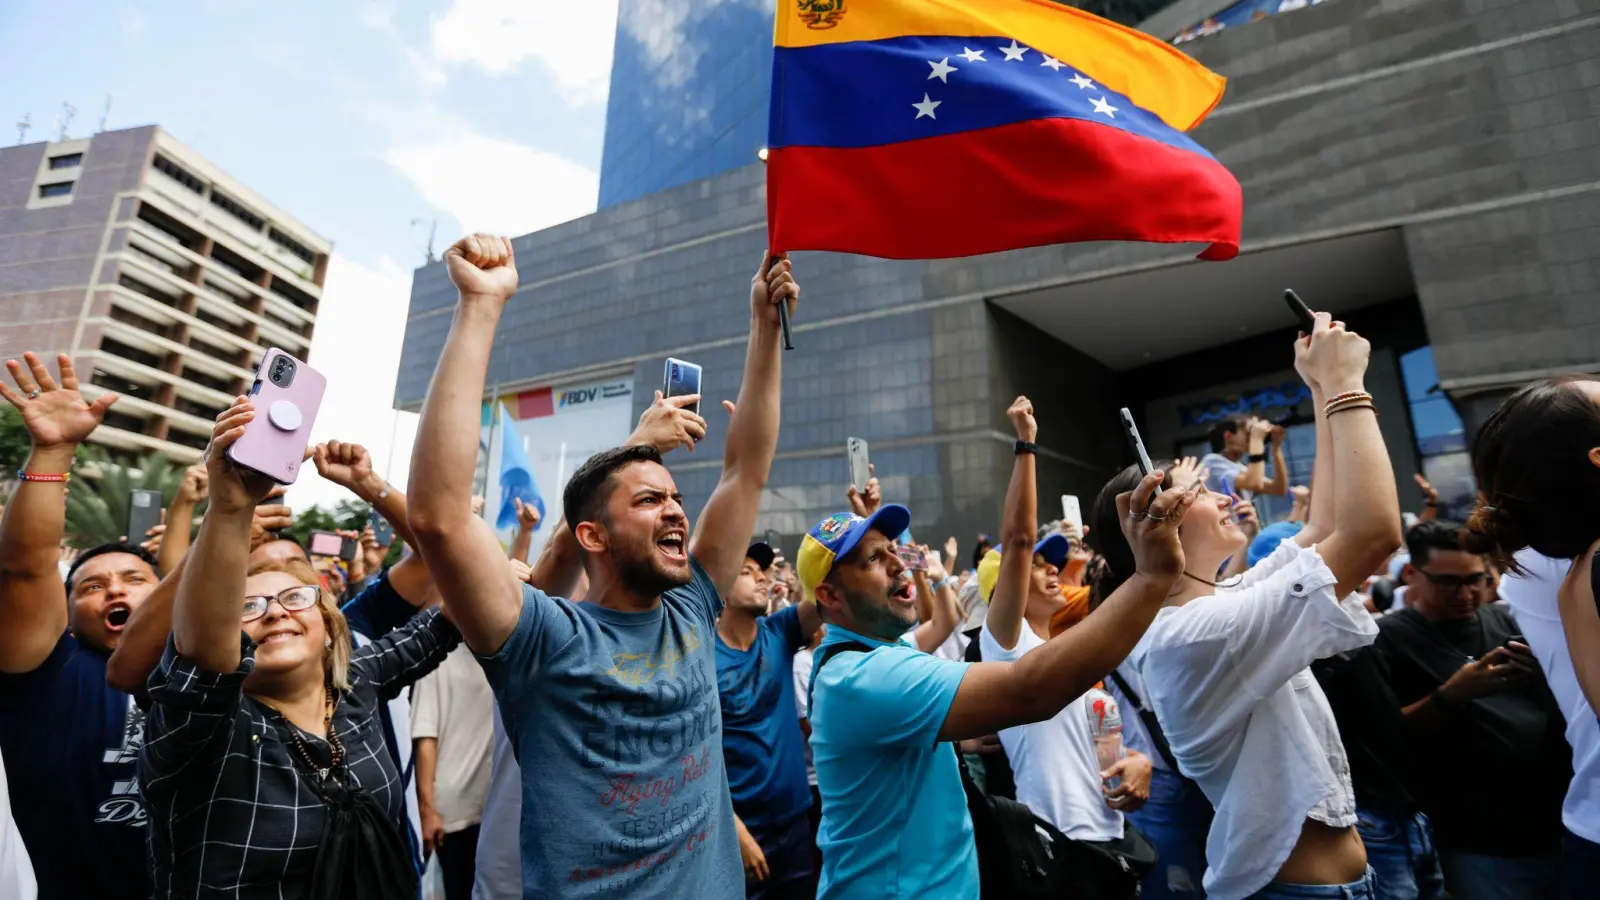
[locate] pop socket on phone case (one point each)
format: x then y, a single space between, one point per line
284 415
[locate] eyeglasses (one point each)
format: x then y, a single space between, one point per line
294 599
1457 582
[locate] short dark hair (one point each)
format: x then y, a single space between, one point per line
586 495
1429 535
275 536
107 549
1225 426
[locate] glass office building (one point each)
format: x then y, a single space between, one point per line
689 89
1454 229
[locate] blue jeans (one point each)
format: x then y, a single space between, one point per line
1402 855
1473 876
1176 820
1365 889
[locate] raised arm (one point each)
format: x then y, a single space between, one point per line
460 549
33 601
144 638
1365 505
210 596
1279 486
180 518
1004 620
994 696
941 619
350 466
527 524
722 534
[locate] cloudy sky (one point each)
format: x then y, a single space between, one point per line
357 117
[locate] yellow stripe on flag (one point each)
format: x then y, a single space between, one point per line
1152 73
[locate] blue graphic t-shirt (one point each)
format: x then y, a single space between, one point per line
761 738
71 745
615 723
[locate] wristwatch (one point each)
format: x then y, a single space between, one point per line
1021 447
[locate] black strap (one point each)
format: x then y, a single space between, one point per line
1151 725
823 654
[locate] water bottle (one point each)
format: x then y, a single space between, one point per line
1105 725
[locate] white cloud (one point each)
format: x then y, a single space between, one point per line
573 39
379 17
361 322
495 185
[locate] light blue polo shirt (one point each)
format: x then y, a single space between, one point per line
894 815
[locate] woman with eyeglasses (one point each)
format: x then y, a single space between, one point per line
264 764
1226 666
1537 463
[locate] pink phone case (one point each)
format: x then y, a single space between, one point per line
274 443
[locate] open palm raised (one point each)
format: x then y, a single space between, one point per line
55 414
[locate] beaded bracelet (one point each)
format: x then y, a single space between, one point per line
1356 404
61 478
1346 401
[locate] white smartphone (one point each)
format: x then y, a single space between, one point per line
1072 511
860 472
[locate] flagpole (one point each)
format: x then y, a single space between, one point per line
488 456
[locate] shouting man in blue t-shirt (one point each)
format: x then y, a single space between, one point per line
761 738
611 703
70 742
884 715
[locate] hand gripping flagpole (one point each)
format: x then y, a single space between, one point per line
783 307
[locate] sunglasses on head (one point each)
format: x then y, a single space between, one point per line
294 599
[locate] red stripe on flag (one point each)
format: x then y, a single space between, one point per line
533 404
1044 181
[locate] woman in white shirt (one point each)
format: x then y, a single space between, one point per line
1226 666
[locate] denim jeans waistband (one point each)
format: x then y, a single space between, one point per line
1363 889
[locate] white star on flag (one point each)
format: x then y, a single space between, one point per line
973 55
1053 64
1101 106
1014 52
941 70
1083 83
926 107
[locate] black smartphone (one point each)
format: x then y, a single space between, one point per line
681 379
1302 312
348 548
1132 431
144 513
381 529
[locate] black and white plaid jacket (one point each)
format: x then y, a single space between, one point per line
232 813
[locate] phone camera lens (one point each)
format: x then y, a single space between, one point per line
676 374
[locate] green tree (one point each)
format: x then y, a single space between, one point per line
97 509
346 515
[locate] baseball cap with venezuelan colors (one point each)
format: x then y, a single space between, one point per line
836 536
1053 547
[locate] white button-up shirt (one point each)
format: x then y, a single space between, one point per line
1228 678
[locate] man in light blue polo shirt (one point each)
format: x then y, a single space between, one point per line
883 714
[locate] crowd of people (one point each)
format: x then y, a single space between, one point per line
1169 700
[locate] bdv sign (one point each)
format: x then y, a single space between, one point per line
576 396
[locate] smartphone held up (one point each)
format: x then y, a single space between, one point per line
681 379
287 394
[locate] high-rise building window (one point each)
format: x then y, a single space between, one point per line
59 189
66 161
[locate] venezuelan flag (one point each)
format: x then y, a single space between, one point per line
925 129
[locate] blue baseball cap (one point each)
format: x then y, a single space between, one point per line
1054 549
837 535
1269 539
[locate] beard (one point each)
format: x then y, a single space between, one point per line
878 618
647 577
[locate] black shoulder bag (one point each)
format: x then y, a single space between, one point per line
1019 854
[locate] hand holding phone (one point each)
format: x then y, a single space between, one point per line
681 379
1132 430
1302 312
287 394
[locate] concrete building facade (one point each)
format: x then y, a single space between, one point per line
1427 169
164 278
